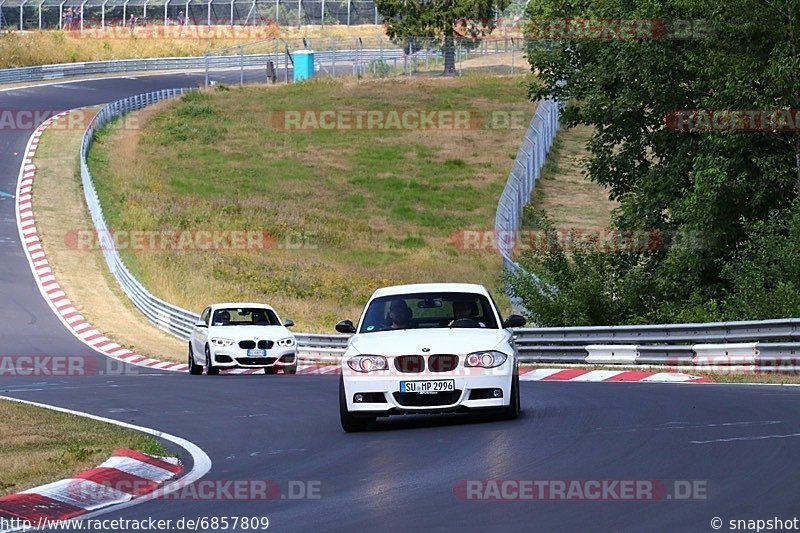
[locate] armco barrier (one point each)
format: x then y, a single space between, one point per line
666 344
166 316
90 68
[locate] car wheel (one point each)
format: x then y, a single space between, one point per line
211 370
290 370
194 368
350 423
270 370
514 407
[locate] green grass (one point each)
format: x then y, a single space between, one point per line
374 207
39 445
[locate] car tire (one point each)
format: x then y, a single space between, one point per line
194 368
514 407
350 423
290 370
211 370
270 370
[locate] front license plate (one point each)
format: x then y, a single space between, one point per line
256 353
428 387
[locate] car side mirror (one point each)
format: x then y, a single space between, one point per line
201 325
288 323
345 326
514 321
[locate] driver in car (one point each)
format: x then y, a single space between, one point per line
465 310
223 318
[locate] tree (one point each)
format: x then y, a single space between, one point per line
703 54
414 23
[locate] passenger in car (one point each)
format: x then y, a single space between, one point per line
399 315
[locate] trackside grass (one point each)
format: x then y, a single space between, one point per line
49 47
350 209
39 445
563 192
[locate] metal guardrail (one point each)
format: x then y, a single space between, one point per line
90 68
666 344
170 318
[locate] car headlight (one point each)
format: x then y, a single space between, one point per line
289 341
223 342
489 359
368 363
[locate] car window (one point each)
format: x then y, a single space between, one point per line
206 315
429 310
249 316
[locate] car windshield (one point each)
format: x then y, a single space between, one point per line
248 316
428 311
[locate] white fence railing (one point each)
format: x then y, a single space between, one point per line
522 179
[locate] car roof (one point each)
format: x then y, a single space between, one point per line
430 287
238 305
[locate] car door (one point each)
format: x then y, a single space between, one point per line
200 334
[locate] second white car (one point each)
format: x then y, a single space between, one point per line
242 335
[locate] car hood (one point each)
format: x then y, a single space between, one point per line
237 333
413 341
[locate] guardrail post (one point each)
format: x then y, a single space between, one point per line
205 57
241 65
512 56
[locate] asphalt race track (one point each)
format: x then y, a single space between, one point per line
741 443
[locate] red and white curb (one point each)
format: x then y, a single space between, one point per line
576 374
570 374
48 284
126 475
45 278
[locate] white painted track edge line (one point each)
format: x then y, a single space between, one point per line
201 462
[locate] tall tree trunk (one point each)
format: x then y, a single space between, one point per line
797 164
790 14
449 54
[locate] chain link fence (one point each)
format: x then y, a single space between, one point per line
363 57
80 15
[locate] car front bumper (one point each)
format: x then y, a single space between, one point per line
387 389
238 358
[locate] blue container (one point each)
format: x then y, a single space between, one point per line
303 64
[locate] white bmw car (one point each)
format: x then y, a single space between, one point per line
428 348
242 335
